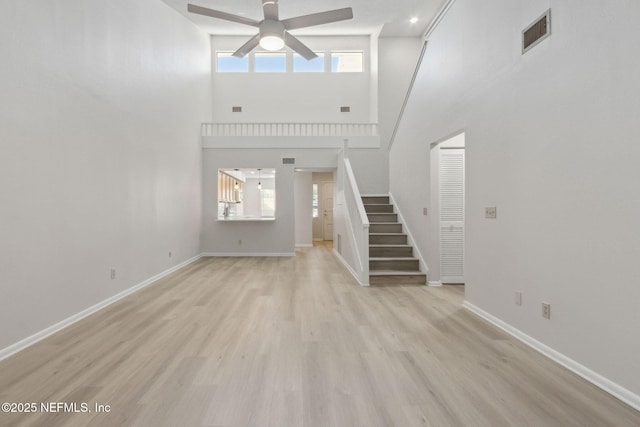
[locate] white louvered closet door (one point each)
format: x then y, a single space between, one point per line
452 215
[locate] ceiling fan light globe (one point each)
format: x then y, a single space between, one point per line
271 43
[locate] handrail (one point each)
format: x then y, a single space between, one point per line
407 96
432 26
356 192
288 129
357 222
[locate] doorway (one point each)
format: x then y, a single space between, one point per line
327 210
323 188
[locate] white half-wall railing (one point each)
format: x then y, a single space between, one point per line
357 222
289 129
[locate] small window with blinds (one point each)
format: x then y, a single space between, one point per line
539 30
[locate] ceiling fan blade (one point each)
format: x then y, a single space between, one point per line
318 18
270 8
299 47
221 15
247 47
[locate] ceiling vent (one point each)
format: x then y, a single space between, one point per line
288 161
345 109
236 109
539 30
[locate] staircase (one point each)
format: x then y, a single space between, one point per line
391 260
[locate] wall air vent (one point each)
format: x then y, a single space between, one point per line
539 30
288 161
236 109
345 109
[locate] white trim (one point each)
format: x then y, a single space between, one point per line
304 245
248 254
39 336
375 195
598 380
436 21
346 264
423 264
435 283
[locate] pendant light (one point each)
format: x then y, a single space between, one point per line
237 186
259 179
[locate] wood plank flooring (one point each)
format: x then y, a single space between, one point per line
291 342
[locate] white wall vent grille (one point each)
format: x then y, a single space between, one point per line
539 30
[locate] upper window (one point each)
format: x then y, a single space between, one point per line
227 63
282 62
302 65
347 62
270 62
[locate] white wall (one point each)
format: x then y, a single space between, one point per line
551 141
99 155
304 210
293 97
397 59
258 238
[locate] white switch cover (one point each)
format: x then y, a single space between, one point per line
490 212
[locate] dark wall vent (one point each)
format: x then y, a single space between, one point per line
236 109
536 32
288 161
345 109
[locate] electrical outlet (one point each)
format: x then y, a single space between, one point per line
239 241
546 310
491 212
169 254
113 274
518 298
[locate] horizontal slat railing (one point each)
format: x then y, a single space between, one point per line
289 129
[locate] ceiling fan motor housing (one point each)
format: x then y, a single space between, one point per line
272 34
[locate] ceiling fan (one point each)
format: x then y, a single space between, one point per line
274 33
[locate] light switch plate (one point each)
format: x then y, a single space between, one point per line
491 212
424 211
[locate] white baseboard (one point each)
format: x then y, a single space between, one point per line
346 264
248 254
598 380
435 283
39 336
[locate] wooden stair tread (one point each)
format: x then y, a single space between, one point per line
393 261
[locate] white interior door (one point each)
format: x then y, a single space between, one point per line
327 207
452 215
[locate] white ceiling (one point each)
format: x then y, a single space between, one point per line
370 16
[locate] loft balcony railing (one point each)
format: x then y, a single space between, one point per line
216 130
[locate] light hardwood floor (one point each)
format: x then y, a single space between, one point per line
291 342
